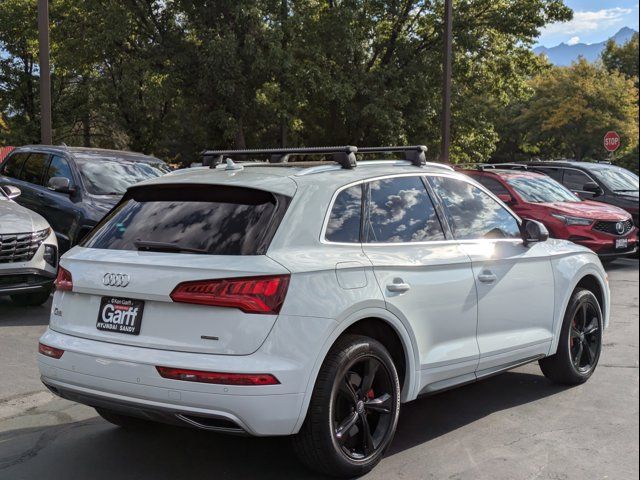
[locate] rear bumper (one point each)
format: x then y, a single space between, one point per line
124 378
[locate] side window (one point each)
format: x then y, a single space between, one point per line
474 214
400 210
59 167
555 173
12 165
33 167
344 222
493 185
575 180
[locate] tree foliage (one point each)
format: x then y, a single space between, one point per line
172 77
569 112
623 58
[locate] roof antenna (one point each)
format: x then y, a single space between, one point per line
231 165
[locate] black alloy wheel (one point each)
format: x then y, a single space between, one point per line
362 407
580 341
354 409
584 339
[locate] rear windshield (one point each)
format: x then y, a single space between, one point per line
206 219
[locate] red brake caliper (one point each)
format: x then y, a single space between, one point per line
370 394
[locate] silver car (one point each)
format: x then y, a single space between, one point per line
28 252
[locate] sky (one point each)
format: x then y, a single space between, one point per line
593 21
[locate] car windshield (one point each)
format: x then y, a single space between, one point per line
109 177
540 189
617 179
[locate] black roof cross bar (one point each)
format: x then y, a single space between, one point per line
344 155
416 154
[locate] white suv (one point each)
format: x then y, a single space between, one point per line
281 299
28 252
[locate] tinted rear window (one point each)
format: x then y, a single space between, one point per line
212 219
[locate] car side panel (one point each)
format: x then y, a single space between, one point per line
569 267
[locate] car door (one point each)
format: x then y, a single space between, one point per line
425 278
514 282
62 212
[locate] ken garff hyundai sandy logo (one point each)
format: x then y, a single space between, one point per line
116 279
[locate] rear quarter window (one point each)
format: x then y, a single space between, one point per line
207 219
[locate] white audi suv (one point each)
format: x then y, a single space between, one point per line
312 300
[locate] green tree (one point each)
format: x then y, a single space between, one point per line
175 76
623 58
573 107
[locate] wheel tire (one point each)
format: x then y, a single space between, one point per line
317 444
566 366
31 299
125 421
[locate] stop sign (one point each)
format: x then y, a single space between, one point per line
611 141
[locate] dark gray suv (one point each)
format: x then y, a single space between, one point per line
601 182
72 187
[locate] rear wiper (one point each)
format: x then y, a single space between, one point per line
151 246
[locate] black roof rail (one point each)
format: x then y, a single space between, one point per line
344 155
416 154
482 167
510 166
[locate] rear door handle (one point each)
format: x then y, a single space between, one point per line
398 286
487 277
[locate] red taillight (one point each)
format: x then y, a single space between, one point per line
48 351
64 282
218 378
249 294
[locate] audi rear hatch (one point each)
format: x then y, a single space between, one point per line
177 267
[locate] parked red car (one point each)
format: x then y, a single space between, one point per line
606 229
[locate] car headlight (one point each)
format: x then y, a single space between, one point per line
567 220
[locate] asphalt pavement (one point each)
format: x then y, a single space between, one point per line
513 426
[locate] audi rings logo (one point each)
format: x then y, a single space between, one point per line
620 228
116 280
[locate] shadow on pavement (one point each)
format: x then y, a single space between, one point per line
630 263
94 449
12 315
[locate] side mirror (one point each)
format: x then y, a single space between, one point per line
506 198
11 191
60 184
593 187
534 232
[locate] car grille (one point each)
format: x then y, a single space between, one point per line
611 227
20 247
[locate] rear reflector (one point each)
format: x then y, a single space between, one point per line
218 378
249 294
64 282
48 351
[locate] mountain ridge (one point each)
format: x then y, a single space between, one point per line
564 54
